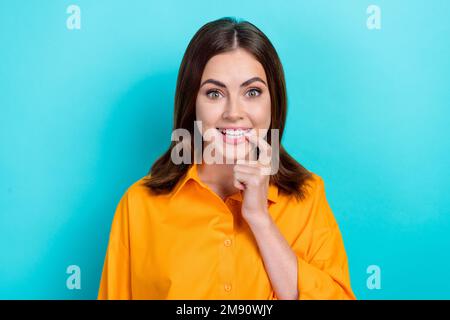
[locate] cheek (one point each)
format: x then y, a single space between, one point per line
207 114
261 114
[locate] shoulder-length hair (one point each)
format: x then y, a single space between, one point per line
213 38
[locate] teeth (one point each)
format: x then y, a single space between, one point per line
234 132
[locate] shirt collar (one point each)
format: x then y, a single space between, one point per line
192 174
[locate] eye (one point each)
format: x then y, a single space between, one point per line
254 92
213 94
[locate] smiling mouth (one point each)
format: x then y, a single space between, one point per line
234 133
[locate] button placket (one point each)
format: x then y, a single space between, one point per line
226 251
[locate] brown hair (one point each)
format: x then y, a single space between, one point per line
213 38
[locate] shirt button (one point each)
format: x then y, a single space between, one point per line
227 242
227 287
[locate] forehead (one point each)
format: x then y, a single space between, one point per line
234 66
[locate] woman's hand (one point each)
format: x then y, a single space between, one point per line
253 179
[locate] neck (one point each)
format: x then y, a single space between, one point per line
219 178
218 174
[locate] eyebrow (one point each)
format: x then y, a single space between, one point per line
245 83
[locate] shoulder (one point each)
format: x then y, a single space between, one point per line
313 187
315 201
137 201
317 181
138 186
138 190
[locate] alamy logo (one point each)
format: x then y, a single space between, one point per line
74 279
214 146
73 22
374 280
374 19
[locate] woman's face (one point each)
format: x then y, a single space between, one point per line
233 99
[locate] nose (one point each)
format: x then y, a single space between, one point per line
233 110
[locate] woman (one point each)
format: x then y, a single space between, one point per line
237 227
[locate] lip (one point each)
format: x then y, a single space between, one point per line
234 128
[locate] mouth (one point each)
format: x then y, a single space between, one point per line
234 135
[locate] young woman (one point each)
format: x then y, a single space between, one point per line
227 229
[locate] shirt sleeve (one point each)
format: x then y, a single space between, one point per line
115 283
323 271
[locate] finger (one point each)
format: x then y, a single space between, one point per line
265 150
247 168
266 170
238 185
257 169
252 137
252 161
245 178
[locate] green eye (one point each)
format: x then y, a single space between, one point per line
254 92
213 94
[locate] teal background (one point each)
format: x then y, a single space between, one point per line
84 113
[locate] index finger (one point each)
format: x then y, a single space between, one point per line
265 150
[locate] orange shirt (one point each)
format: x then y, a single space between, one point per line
190 244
